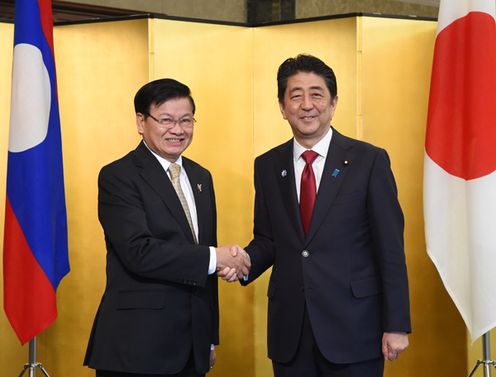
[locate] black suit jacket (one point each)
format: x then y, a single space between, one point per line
349 271
159 302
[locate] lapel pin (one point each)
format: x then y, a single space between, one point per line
335 173
346 162
199 185
284 173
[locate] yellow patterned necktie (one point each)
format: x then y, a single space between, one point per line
175 170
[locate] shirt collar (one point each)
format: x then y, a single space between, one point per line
322 147
165 163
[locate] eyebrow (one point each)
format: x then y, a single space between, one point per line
311 88
316 88
171 116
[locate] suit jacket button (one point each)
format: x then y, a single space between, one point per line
305 253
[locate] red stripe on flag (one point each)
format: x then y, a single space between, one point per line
461 136
47 21
29 298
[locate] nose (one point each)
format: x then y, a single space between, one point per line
176 128
307 103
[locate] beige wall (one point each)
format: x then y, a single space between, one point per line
383 69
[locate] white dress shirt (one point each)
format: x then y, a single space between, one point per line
322 148
190 199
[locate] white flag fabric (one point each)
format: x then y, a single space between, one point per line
460 160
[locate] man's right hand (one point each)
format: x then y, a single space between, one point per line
232 262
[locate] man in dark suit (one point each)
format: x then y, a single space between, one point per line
328 221
159 314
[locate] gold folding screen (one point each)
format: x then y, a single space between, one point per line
383 71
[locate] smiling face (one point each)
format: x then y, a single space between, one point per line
308 107
168 142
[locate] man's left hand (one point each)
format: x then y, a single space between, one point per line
213 358
393 343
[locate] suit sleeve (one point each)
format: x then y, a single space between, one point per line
260 249
124 220
215 339
387 223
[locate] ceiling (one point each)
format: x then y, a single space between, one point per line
64 11
254 11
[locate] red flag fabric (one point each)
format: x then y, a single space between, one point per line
460 159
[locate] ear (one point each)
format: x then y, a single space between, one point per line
140 123
334 102
283 112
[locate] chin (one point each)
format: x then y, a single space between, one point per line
309 132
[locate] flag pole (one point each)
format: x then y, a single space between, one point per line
32 364
486 355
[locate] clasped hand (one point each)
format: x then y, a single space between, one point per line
233 263
393 343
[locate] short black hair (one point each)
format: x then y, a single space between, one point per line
305 63
159 91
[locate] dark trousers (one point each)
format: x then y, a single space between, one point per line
105 373
309 361
188 371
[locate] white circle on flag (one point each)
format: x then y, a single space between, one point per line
30 101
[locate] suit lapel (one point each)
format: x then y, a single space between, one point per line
200 192
284 171
333 175
153 173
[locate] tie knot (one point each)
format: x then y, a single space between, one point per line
309 156
174 170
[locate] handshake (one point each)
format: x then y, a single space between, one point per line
233 263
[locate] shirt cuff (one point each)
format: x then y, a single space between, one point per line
212 266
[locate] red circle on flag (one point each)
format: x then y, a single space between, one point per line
461 125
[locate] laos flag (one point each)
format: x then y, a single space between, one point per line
460 159
35 238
